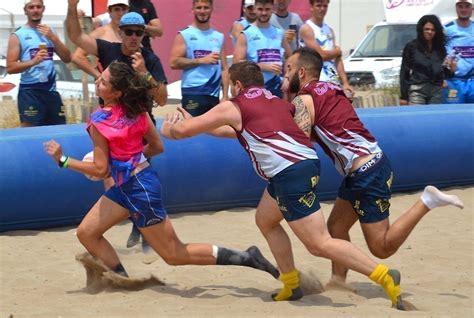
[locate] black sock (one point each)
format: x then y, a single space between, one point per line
119 269
252 257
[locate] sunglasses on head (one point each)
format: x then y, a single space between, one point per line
130 32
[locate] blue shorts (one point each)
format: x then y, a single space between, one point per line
368 189
40 107
198 104
141 196
459 91
294 189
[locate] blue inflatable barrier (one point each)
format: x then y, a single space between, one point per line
425 144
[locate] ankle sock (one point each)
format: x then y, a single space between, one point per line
433 198
291 287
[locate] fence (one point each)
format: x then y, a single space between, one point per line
78 110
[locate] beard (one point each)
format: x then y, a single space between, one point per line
201 20
263 19
294 84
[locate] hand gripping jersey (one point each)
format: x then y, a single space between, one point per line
125 139
461 40
339 130
324 37
269 134
202 79
41 76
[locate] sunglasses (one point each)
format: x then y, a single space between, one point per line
130 32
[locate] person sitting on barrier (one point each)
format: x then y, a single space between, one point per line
322 109
117 131
283 155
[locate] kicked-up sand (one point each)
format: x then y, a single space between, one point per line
40 276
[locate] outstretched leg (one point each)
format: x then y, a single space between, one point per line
384 239
163 239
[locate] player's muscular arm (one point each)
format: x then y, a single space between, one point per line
302 115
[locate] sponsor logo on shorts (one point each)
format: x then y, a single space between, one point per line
383 205
308 199
358 209
390 181
30 112
452 93
282 207
314 181
153 221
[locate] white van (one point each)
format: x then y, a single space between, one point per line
377 59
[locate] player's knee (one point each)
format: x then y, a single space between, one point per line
382 251
174 259
84 235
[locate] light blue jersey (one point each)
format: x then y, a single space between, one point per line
41 76
244 22
461 40
264 46
202 79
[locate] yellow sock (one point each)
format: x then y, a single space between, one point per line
382 276
291 289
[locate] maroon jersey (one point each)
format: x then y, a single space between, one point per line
269 134
338 129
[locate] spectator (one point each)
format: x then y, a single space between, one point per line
109 32
198 50
422 73
249 17
319 36
132 30
265 45
30 52
288 21
153 26
146 9
460 40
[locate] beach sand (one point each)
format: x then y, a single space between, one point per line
41 278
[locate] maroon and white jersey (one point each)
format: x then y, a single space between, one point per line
269 134
339 130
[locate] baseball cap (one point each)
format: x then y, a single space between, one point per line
132 18
249 3
28 1
466 1
115 2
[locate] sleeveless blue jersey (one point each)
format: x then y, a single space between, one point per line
202 79
462 41
264 46
41 76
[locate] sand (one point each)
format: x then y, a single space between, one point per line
40 276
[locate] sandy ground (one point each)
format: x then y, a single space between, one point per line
41 278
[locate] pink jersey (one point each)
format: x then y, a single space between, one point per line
269 134
339 130
125 139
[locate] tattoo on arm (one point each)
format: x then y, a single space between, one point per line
302 116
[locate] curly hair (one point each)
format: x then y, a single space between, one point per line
136 90
439 39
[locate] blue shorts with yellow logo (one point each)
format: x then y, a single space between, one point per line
294 189
141 196
368 189
40 107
